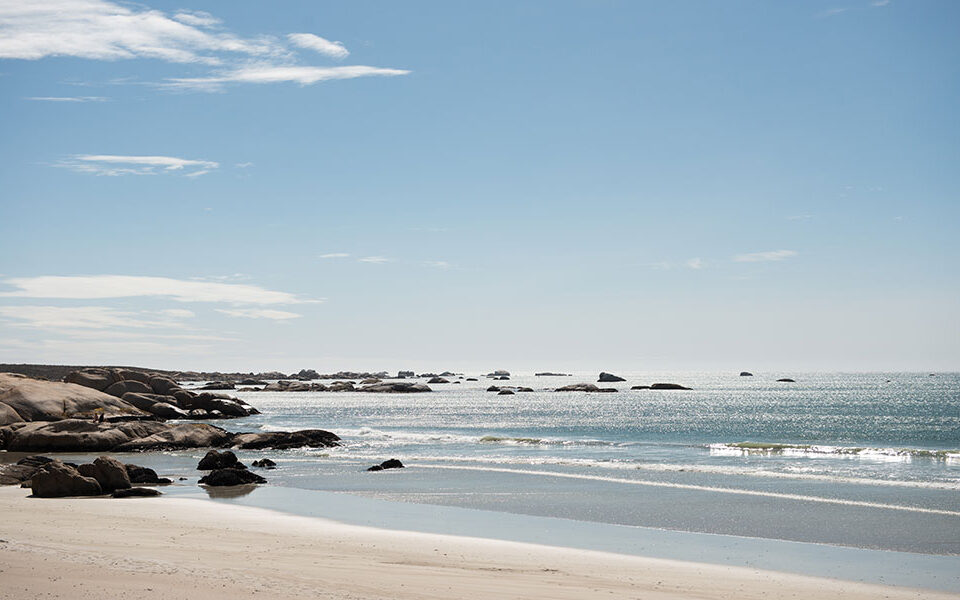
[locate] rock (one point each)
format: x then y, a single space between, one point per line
609 378
472 379
178 437
98 379
164 385
502 378
110 473
583 387
493 388
549 374
56 480
371 381
282 440
138 474
264 463
395 387
505 393
23 470
640 387
499 373
405 374
252 382
787 380
438 380
668 386
746 374
136 492
75 435
120 388
168 411
308 374
220 460
131 375
223 477
25 399
210 402
387 464
524 389
341 386
217 385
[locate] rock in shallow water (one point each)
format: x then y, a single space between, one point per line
393 463
223 477
609 378
135 492
220 460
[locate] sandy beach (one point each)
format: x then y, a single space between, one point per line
182 548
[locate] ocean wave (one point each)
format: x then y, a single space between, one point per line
897 454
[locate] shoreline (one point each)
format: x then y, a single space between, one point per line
182 547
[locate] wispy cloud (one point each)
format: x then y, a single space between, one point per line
115 165
68 98
105 30
258 313
334 255
771 255
85 287
269 73
318 44
64 318
375 259
439 264
694 263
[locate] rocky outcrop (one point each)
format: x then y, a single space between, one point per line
308 374
120 388
668 386
110 473
138 474
217 385
25 399
23 470
506 393
220 460
640 387
393 463
136 492
264 463
609 378
395 387
438 380
224 477
405 374
178 437
746 374
499 373
282 440
583 387
56 480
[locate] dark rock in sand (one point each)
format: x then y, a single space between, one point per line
26 399
282 440
220 460
110 473
609 378
505 393
395 387
56 480
138 474
120 388
136 492
223 477
23 470
668 386
746 374
264 463
387 464
438 380
787 380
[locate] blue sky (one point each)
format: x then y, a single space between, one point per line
528 185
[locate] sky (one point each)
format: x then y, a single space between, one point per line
530 185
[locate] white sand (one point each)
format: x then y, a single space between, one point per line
173 548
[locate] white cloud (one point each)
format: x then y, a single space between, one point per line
258 313
68 98
765 256
695 263
85 287
104 30
178 313
63 318
114 165
270 73
334 255
375 259
319 44
244 165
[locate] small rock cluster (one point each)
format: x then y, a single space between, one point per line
50 478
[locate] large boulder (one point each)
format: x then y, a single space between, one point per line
23 470
131 375
282 440
138 474
163 385
395 387
583 387
55 480
223 477
98 379
120 388
609 378
110 473
220 460
26 399
178 437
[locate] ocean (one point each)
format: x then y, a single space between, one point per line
862 460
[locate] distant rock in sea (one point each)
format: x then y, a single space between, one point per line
393 463
549 374
499 373
438 380
787 380
506 393
746 374
640 387
584 387
396 387
668 386
609 378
